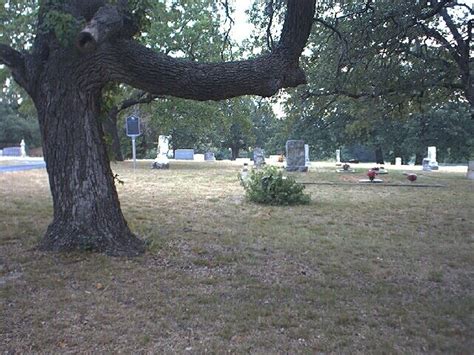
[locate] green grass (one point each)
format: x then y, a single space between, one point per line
368 269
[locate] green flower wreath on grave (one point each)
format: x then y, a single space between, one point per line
269 186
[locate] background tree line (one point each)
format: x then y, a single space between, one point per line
394 77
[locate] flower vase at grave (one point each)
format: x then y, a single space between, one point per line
371 174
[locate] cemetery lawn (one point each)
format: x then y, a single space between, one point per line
365 269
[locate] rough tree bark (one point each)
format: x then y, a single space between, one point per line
110 129
234 152
379 155
65 83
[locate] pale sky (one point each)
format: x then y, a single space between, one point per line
242 28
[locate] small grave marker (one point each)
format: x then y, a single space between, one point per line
209 156
184 154
12 152
346 168
470 170
258 157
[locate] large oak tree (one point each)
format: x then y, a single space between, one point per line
65 79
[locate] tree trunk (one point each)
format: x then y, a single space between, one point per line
419 158
379 155
110 128
235 153
87 213
65 82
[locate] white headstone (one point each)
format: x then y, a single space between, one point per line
338 156
306 155
398 161
470 170
433 164
199 157
23 148
432 153
162 161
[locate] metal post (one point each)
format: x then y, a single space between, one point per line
134 153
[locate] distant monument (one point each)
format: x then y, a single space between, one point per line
429 163
295 156
162 161
23 149
338 157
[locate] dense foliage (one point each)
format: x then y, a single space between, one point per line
380 74
15 126
270 187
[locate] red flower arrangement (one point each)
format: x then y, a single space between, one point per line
371 174
411 177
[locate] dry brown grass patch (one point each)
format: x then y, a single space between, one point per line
359 269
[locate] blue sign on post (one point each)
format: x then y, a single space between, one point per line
133 126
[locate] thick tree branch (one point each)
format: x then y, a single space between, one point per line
228 10
454 31
129 62
140 98
270 12
432 33
297 26
413 90
435 9
142 68
15 61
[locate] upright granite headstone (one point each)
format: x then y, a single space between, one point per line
162 161
470 170
209 156
398 161
295 156
258 157
184 154
426 164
